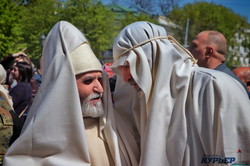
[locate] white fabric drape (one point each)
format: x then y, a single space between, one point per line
184 112
54 132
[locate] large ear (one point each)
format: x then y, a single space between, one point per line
209 52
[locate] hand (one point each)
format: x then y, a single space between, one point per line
19 54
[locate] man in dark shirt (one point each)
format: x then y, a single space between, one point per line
210 48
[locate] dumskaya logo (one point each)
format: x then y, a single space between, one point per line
218 159
214 159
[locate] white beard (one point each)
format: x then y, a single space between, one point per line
93 110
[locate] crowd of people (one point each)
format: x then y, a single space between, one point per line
167 106
17 92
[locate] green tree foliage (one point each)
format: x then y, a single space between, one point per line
24 21
10 30
131 17
38 17
208 16
94 20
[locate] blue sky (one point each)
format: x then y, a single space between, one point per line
241 7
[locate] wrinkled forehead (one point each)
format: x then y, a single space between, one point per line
90 73
202 37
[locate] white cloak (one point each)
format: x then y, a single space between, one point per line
54 132
185 115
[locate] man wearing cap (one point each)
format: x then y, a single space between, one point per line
71 121
184 115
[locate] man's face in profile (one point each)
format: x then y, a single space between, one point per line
127 77
198 48
90 91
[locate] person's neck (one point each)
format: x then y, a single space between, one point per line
90 122
213 63
19 80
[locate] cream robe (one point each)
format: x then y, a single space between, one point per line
183 112
98 149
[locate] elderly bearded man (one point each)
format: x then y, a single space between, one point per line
62 128
184 115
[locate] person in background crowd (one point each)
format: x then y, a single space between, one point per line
112 81
22 93
38 74
180 114
36 80
8 63
71 120
10 124
210 49
243 73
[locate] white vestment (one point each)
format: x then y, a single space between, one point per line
184 115
54 132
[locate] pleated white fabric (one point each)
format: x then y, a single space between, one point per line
184 113
54 132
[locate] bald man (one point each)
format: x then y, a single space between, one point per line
210 48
